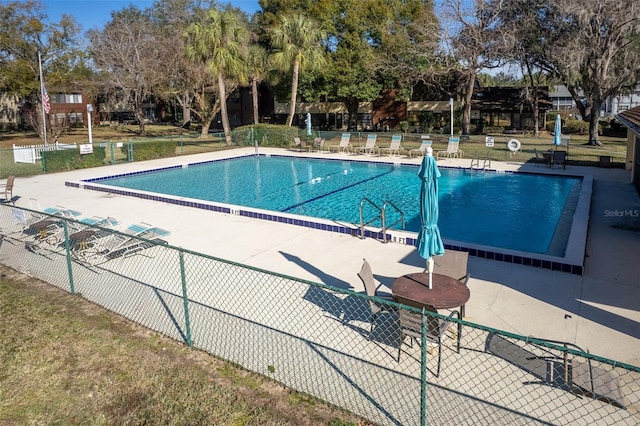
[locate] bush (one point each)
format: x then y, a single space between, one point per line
273 135
493 130
150 150
70 159
577 127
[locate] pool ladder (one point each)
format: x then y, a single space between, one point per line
382 215
475 161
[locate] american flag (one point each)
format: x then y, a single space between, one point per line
45 100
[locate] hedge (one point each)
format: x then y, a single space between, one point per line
266 134
70 159
150 150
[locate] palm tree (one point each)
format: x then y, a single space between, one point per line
220 41
257 69
297 41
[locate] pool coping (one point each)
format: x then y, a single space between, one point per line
572 262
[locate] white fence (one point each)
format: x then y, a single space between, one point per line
32 153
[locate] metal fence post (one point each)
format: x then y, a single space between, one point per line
130 151
185 299
68 251
423 370
113 154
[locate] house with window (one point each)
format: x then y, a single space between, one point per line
68 106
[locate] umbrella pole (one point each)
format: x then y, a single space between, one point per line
430 270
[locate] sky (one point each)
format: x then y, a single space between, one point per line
93 14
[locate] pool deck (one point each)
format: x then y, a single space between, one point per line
599 311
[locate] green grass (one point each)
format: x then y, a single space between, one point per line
190 143
64 360
579 152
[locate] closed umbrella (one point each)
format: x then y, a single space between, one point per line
429 240
557 132
308 124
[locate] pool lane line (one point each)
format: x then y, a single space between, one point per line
335 191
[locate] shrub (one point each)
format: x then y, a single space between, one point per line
266 134
150 150
578 127
70 159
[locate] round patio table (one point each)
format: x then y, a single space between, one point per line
446 292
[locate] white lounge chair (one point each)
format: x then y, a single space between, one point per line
422 149
344 145
394 147
453 150
370 146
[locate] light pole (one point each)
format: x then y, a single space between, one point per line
451 106
89 110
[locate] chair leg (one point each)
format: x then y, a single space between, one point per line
372 320
439 357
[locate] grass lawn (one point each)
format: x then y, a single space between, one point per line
64 360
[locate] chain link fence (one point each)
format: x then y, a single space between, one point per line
322 340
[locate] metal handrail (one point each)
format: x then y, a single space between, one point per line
384 211
362 224
486 158
476 161
382 216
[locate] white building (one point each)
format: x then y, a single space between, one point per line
562 100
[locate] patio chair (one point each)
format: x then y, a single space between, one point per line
422 149
301 145
539 159
344 145
143 240
45 225
370 146
453 150
394 146
85 233
454 264
93 244
57 237
437 327
559 157
8 189
318 144
370 287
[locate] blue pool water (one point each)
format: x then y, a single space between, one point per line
525 212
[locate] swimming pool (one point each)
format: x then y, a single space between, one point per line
514 211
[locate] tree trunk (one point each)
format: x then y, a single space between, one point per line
536 113
594 116
254 93
294 92
352 105
466 112
140 117
204 132
223 109
185 101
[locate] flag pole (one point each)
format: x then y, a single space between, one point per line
44 115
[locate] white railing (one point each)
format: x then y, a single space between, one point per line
33 153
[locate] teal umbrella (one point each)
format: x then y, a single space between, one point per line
557 132
429 240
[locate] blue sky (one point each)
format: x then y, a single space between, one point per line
95 13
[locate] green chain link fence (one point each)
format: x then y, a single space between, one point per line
322 340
